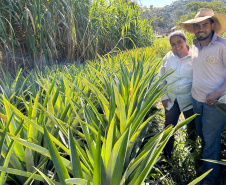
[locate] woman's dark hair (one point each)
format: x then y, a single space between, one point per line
179 33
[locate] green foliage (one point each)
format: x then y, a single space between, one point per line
85 122
216 6
186 17
38 33
162 46
200 178
189 38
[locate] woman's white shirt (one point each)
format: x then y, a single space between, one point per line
180 80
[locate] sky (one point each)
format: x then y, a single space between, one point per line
155 3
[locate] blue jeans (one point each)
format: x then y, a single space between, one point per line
209 125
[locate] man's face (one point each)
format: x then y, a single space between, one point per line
203 30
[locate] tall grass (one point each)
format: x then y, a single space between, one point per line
38 33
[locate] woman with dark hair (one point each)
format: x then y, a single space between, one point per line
178 99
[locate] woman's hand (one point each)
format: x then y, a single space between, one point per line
165 102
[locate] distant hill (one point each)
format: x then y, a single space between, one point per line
165 18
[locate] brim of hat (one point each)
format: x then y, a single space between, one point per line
219 19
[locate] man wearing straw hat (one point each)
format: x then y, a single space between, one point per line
209 83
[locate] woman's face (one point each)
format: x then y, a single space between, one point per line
178 45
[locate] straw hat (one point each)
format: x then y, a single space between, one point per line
203 14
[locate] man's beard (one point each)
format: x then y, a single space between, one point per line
202 38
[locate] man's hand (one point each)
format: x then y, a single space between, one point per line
212 97
165 102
